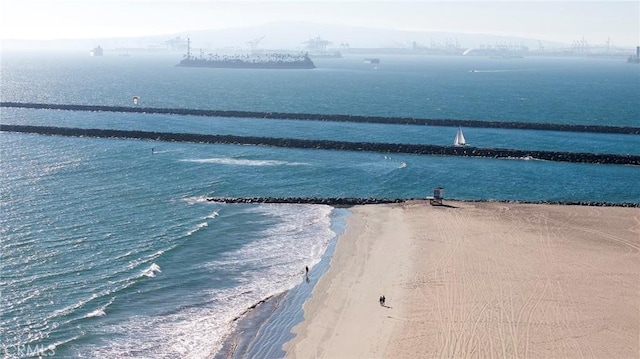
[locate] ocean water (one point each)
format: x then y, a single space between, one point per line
108 248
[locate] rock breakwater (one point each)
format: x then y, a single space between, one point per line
333 145
353 201
331 117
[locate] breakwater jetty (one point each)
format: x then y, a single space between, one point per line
331 118
332 145
331 201
353 201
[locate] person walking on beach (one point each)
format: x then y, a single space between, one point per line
306 275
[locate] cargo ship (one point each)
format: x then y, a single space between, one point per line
248 61
96 51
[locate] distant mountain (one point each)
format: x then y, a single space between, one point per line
289 36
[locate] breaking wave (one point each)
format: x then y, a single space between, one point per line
244 162
151 271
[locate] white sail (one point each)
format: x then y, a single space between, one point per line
459 140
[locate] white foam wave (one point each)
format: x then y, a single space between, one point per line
402 163
244 162
300 238
71 309
524 158
194 332
123 256
500 70
267 266
68 309
212 215
50 350
198 227
380 168
96 313
134 263
157 254
190 333
196 199
151 271
100 311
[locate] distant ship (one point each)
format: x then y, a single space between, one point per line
261 61
371 61
96 51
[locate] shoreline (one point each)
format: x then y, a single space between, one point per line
246 327
478 279
262 329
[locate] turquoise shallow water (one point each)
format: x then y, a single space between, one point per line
110 250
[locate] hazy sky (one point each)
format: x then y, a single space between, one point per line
546 20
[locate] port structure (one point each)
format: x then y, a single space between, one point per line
253 44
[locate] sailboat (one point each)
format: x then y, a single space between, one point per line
459 141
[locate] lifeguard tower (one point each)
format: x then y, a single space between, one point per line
438 195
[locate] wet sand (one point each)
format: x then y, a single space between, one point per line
476 280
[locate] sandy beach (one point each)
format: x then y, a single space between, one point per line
478 280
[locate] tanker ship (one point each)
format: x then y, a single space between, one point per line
248 61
